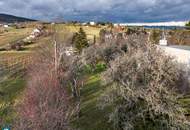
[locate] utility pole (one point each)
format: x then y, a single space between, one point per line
55 54
94 39
55 50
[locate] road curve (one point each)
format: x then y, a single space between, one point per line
180 55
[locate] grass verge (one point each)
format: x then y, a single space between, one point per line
10 90
92 118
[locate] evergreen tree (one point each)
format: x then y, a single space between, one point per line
80 40
188 25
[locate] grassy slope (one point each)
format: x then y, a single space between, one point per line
13 35
11 88
92 118
90 31
186 103
16 34
9 93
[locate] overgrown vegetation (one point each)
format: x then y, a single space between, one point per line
155 36
144 84
143 91
123 83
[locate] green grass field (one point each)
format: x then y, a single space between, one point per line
91 116
10 91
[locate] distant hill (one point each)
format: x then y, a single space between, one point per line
5 18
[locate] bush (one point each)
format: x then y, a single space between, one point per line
108 52
100 67
16 46
143 91
45 104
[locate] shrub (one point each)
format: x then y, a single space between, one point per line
108 52
91 55
100 67
44 107
143 91
46 104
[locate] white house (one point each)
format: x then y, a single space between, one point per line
5 26
70 51
92 23
84 24
163 41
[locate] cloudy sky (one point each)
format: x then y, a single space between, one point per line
99 10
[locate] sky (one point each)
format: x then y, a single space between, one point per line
99 10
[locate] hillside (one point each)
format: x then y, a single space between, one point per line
88 102
5 18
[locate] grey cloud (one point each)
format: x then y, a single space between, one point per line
86 10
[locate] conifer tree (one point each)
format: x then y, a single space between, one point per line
188 25
80 40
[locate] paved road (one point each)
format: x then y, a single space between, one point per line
181 55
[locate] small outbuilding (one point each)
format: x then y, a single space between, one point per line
5 26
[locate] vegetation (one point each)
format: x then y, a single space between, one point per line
44 106
102 35
188 24
80 40
155 36
143 94
123 83
10 91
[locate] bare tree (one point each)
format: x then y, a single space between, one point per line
46 104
